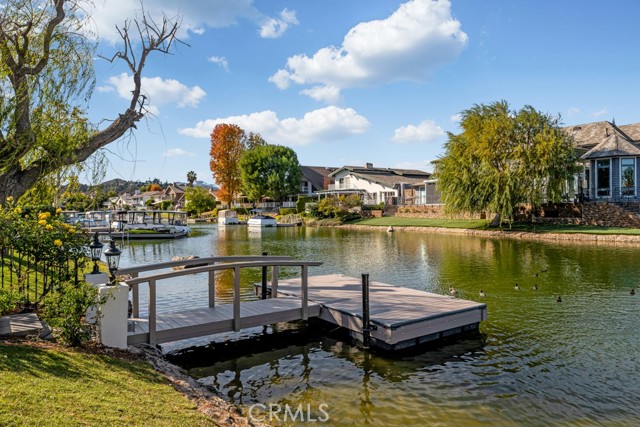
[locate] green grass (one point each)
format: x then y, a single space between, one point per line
481 224
59 387
424 222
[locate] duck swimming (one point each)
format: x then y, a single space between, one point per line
453 291
535 287
633 292
559 299
482 294
516 287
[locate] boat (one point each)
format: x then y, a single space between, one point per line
227 217
151 224
259 219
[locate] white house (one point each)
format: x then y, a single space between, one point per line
375 185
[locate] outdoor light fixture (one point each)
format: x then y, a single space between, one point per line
113 260
96 252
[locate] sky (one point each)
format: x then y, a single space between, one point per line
360 81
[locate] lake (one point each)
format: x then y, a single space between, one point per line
536 361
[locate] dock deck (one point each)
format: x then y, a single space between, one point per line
213 320
403 317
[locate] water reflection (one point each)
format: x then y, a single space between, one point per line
540 362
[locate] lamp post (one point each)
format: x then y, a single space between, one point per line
113 260
96 252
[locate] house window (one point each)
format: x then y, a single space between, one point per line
627 177
603 178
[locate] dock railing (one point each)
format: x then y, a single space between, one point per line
214 264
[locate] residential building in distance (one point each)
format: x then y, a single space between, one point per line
376 185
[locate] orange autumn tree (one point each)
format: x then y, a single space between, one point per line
228 142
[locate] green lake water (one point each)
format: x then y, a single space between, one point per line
536 362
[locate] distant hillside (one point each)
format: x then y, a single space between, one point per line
122 186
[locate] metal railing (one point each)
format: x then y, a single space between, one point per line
212 265
34 278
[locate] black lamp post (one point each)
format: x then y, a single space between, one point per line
96 252
113 260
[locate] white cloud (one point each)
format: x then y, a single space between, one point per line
221 61
456 118
159 91
273 28
196 16
328 94
323 125
417 38
572 111
177 152
426 131
600 112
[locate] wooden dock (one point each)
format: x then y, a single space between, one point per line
402 317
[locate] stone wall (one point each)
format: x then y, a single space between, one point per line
600 214
434 211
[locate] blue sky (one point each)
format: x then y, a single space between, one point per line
350 82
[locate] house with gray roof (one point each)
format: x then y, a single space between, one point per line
375 185
610 156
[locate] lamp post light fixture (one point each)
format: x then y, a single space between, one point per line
113 260
96 252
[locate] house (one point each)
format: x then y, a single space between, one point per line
610 156
143 200
375 185
424 193
315 179
175 194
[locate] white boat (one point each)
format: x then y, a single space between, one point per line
147 224
227 217
259 219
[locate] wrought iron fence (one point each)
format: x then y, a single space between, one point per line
32 278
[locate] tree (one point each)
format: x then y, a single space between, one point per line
228 142
191 178
46 81
503 158
270 170
199 200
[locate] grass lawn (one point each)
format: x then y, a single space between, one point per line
49 386
481 224
389 221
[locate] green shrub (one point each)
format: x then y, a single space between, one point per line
302 201
241 211
9 301
288 211
379 206
65 310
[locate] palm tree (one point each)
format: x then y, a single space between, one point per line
191 177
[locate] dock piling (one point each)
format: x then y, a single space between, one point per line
366 320
264 278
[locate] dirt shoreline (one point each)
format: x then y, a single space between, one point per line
518 235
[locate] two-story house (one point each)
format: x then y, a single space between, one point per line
375 185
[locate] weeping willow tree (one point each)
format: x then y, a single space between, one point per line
503 158
46 80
